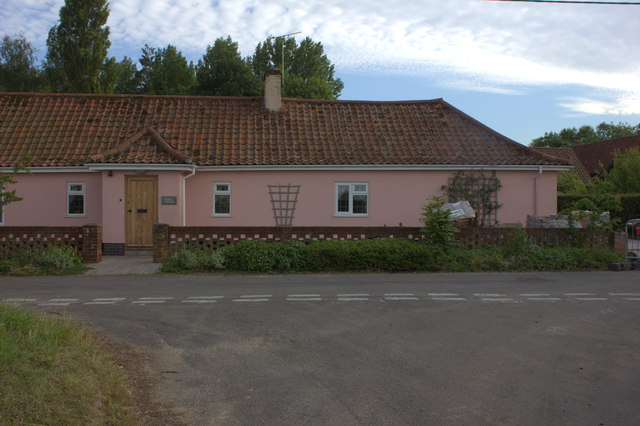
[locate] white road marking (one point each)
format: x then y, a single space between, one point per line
60 299
497 299
303 295
589 299
145 302
449 298
635 299
544 299
400 298
99 303
54 304
202 299
23 299
164 299
353 295
579 294
442 294
352 299
109 299
259 296
534 294
250 300
625 294
399 294
489 295
304 299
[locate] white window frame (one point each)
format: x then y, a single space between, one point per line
82 192
221 192
352 192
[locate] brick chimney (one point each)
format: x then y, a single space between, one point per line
272 85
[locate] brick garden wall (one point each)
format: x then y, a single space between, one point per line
171 239
87 239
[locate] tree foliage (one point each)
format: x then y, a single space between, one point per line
77 47
18 72
223 72
585 134
438 228
308 73
165 71
625 174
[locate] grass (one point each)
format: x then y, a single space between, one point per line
53 372
49 261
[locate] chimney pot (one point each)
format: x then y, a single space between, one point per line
272 89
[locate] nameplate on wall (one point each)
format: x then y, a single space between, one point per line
169 200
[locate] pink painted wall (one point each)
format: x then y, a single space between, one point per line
45 200
394 196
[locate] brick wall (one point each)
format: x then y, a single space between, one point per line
169 239
87 239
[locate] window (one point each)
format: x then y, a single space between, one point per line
222 199
75 198
352 199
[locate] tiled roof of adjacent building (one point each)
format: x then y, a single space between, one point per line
568 154
74 129
598 155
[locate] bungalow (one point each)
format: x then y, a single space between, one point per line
127 162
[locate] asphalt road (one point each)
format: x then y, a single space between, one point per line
441 349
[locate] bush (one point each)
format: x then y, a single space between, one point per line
52 261
437 226
260 256
194 261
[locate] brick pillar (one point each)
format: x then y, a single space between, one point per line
92 243
618 242
160 242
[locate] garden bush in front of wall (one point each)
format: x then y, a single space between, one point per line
50 261
388 255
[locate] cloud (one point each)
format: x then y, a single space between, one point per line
499 47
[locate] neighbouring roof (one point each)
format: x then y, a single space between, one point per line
568 154
599 155
76 129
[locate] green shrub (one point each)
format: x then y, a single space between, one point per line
260 256
194 261
52 261
437 226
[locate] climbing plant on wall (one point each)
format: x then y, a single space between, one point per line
480 190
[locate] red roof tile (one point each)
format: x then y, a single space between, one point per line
595 156
72 129
568 154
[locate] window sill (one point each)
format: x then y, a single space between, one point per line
351 215
220 215
75 216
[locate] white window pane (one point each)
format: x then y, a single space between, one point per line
76 187
76 204
360 188
222 204
343 198
359 204
222 187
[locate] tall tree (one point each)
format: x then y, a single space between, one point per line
586 134
307 71
119 77
165 72
18 72
223 72
77 46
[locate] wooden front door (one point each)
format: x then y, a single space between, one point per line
141 210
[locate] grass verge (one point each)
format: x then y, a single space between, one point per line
53 372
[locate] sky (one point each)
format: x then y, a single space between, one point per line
522 69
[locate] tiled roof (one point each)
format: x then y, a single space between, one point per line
72 129
568 154
595 156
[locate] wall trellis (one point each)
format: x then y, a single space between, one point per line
283 202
